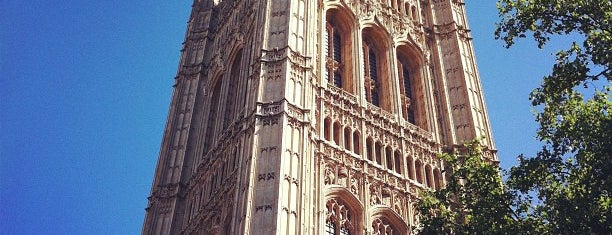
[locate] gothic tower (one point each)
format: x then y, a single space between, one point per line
314 117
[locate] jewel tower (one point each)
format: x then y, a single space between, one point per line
314 117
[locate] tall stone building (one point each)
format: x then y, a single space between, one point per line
314 117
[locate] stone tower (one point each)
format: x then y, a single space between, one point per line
314 117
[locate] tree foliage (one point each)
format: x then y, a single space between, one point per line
571 174
474 200
566 188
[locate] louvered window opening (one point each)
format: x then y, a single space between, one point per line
374 76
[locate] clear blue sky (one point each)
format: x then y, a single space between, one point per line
84 93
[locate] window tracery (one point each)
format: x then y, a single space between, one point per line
375 67
338 220
337 46
405 71
380 226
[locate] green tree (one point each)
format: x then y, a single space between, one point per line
473 201
571 174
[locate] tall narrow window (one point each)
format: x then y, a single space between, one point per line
369 149
408 102
337 55
398 165
356 140
334 55
327 129
212 114
337 133
410 75
231 91
375 66
371 71
418 168
347 138
410 164
389 158
428 177
437 180
379 152
337 46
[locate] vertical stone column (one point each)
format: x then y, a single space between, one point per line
281 169
457 79
166 205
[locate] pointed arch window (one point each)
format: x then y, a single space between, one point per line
406 90
338 219
372 82
381 226
333 51
376 67
212 114
410 75
337 46
232 90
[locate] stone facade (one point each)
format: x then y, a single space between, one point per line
314 117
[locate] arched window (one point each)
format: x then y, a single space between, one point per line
375 65
385 221
389 158
232 89
337 133
410 162
409 61
333 47
327 129
356 145
212 114
381 226
405 72
418 168
437 179
337 49
406 90
338 219
371 71
398 164
347 138
379 150
429 177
